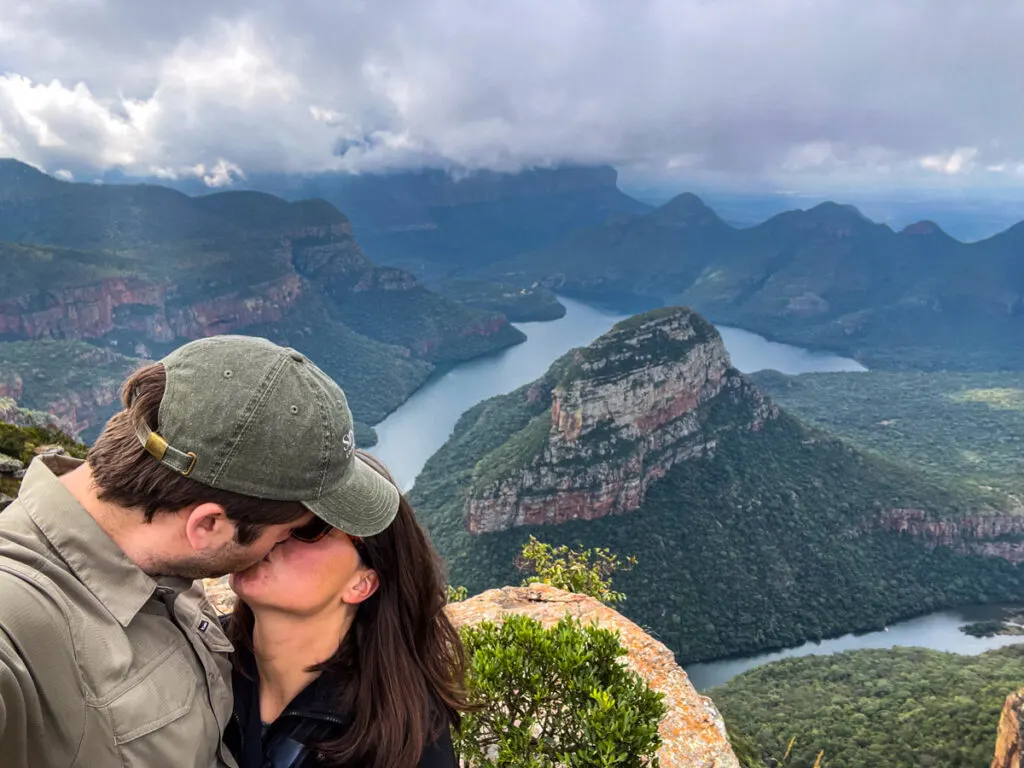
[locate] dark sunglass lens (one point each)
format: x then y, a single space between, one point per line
311 532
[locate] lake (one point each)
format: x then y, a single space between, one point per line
414 432
939 631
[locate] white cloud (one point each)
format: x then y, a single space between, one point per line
957 161
747 89
64 174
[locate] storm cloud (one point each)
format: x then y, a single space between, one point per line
915 92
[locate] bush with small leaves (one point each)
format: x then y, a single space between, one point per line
554 698
584 571
456 594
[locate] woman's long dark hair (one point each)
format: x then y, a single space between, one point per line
400 669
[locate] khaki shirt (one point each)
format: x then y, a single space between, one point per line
100 664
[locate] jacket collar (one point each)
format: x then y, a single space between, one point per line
93 557
315 700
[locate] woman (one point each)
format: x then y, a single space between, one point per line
343 653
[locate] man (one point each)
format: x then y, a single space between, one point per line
109 653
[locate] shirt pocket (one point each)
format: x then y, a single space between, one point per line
155 697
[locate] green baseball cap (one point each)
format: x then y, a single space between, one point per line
243 414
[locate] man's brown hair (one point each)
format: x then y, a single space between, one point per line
128 476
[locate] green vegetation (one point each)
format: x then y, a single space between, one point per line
963 429
1010 622
555 697
53 371
433 327
767 542
376 377
519 304
19 442
585 572
904 707
518 452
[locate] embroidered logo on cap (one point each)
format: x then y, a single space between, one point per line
348 444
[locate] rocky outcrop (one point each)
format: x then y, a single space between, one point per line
12 413
994 535
631 406
71 385
1009 736
692 731
11 470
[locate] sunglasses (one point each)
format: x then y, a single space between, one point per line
316 529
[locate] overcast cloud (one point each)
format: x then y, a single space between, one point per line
893 92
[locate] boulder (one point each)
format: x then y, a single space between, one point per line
9 465
5 501
1008 737
692 732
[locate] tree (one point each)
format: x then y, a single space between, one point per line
584 571
555 697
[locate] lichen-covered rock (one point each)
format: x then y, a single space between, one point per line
692 731
1009 737
631 406
9 465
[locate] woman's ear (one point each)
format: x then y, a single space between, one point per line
363 585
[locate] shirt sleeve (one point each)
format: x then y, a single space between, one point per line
42 711
13 717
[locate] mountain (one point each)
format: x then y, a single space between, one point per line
752 529
141 269
436 223
825 278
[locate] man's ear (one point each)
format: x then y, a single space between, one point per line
207 527
365 583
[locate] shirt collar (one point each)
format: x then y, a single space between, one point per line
93 557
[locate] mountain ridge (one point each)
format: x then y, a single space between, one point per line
824 278
141 269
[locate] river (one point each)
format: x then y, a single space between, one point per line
939 631
414 432
410 435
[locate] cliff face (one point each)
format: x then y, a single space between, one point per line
1009 738
988 535
632 405
153 307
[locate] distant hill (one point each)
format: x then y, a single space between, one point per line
901 707
825 278
437 223
752 529
141 269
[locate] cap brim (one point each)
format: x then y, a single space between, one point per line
363 504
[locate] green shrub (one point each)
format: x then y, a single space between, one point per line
584 571
456 594
555 697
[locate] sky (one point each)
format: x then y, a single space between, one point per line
743 94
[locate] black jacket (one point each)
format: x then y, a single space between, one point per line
309 716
